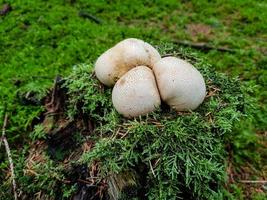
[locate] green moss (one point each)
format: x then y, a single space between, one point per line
40 39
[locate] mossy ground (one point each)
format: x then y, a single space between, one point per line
40 39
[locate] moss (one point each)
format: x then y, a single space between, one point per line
41 39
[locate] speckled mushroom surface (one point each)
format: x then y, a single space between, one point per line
136 93
180 84
125 55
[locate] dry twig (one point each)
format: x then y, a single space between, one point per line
203 46
251 181
3 130
4 139
87 15
152 170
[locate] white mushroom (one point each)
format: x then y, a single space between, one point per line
118 60
180 84
136 93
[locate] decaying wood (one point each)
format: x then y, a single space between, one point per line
57 97
118 183
60 132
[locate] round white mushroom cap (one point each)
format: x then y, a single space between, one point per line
180 84
118 60
136 93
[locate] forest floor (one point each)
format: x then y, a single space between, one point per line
42 39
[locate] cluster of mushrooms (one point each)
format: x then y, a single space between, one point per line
141 79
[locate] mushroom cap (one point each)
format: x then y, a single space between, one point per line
125 55
180 84
136 93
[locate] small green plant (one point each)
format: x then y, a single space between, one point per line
42 177
38 133
86 94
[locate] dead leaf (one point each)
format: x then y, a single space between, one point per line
199 31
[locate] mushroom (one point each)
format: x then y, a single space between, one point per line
136 93
118 60
180 84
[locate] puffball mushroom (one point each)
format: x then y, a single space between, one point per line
180 84
136 93
118 60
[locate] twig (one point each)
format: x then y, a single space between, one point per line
11 168
87 15
84 181
152 169
203 46
3 130
251 181
9 157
